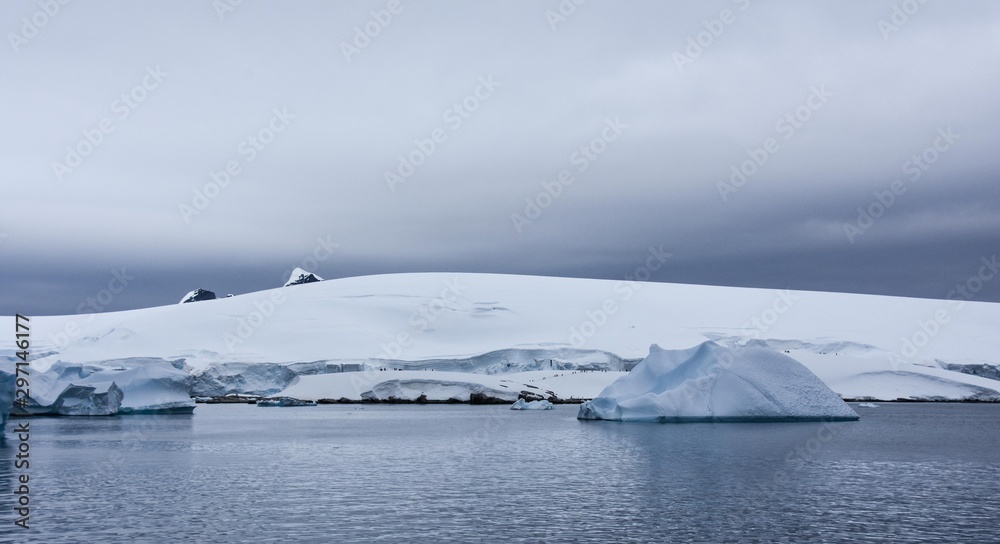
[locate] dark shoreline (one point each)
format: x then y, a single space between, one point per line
485 400
925 401
480 402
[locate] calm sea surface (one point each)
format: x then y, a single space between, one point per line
239 473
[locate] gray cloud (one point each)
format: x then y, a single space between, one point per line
657 183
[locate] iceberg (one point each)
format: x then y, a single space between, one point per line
68 399
142 385
711 382
533 405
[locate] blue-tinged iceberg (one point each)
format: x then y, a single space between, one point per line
54 397
521 404
711 382
137 385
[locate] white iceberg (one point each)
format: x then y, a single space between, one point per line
52 395
714 383
142 385
521 404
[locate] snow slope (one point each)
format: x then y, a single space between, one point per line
484 326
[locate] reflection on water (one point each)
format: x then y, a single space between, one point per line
469 473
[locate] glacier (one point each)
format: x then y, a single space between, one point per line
151 388
711 382
552 336
220 379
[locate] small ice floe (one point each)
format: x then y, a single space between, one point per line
521 404
868 405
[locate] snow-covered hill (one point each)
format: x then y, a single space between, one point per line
484 327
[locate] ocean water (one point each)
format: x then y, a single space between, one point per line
359 473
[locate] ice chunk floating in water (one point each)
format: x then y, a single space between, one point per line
714 383
137 385
533 405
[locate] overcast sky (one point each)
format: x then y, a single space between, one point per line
117 114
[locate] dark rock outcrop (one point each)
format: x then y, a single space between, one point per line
198 295
300 276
